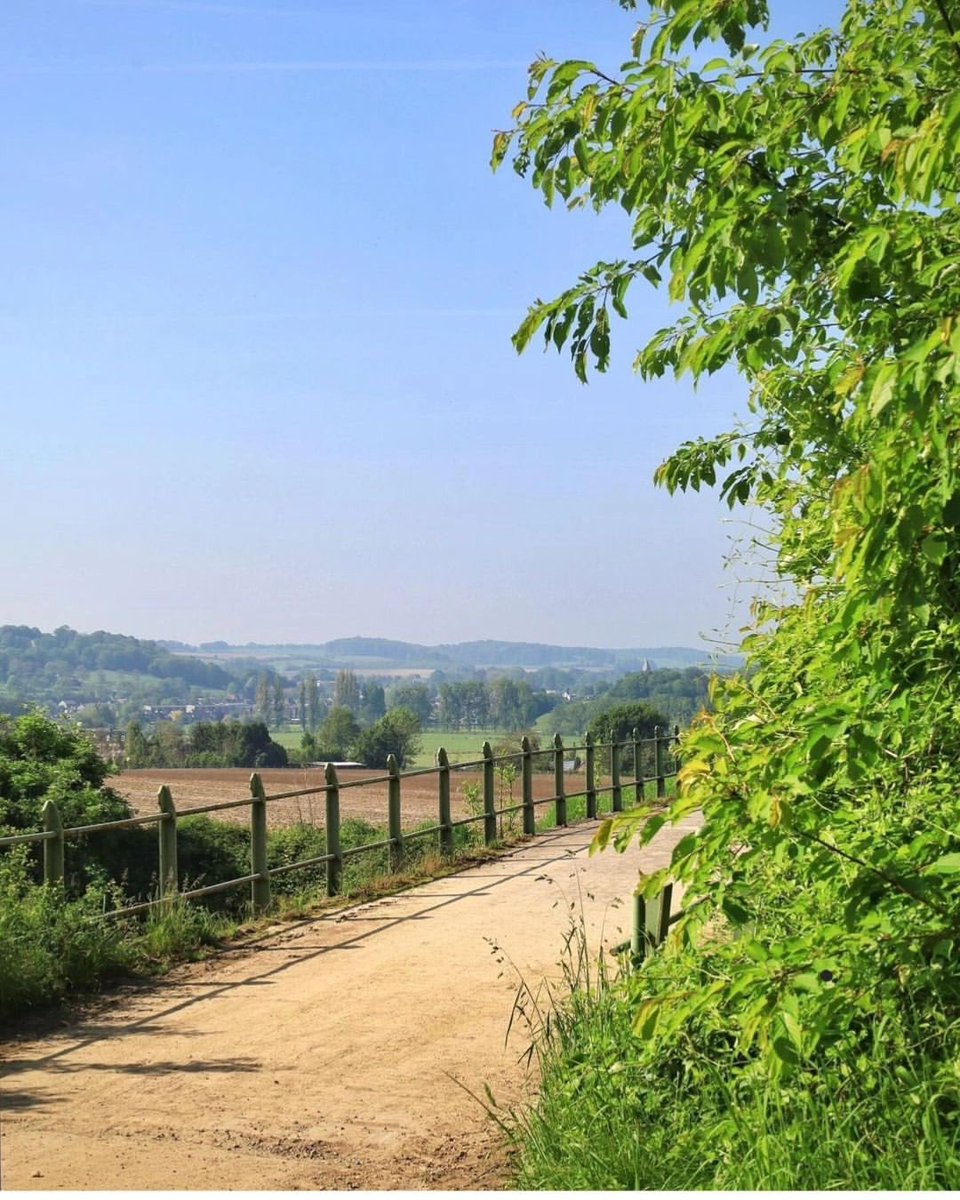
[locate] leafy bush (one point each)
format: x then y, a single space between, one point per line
294 844
41 760
210 851
397 733
803 198
51 946
204 744
617 725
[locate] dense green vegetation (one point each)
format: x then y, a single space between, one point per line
800 200
617 724
96 668
169 702
678 695
618 1113
203 744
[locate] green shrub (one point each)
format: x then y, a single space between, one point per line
51 946
210 851
294 844
179 930
692 1111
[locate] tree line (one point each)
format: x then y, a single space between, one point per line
202 744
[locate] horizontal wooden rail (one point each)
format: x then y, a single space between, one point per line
53 836
20 839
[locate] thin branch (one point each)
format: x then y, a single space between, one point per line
949 24
891 879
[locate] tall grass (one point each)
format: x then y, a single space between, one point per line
615 1112
51 946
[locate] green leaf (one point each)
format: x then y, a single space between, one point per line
602 836
947 864
934 547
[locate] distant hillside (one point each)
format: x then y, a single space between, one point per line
386 654
45 668
538 654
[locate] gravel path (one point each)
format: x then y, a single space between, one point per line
329 1054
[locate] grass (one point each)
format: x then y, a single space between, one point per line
460 746
289 739
53 947
616 1112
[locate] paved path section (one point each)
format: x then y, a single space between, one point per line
335 1053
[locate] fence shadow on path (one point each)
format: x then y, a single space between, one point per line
212 991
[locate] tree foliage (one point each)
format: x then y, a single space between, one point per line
617 725
416 696
679 696
398 733
347 691
47 668
204 744
798 200
337 733
41 760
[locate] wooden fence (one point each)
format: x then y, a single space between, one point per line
647 753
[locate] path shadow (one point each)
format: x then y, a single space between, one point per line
20 1101
218 1066
531 865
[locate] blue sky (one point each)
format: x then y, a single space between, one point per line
255 338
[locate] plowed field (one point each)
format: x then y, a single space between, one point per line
419 802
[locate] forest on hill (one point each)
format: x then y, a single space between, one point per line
453 658
104 680
76 668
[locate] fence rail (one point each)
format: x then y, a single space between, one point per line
54 835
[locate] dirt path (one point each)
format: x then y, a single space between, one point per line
330 1054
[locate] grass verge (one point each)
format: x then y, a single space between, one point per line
617 1112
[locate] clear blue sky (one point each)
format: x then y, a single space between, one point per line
259 285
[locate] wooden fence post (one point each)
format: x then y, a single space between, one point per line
651 923
335 864
394 818
658 755
167 831
526 781
489 797
558 788
53 869
616 788
443 782
259 887
591 777
638 782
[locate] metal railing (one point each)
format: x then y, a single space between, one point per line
54 836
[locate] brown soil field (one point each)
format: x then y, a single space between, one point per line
192 788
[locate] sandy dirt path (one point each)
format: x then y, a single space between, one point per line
329 1054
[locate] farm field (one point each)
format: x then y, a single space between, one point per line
193 787
460 746
467 747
